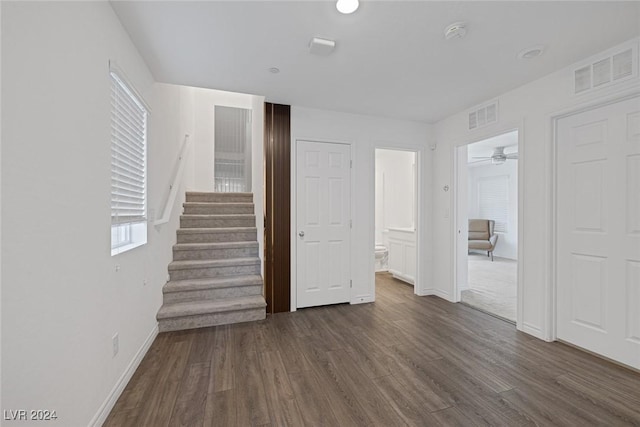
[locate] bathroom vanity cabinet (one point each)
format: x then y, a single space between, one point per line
402 254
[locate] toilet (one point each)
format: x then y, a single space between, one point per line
382 258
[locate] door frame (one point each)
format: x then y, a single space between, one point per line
550 317
509 127
294 216
419 284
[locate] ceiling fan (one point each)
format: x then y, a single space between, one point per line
499 157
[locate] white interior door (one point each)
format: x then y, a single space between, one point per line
598 237
323 250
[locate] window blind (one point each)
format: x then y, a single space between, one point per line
493 200
128 155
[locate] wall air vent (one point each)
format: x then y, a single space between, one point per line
605 70
483 116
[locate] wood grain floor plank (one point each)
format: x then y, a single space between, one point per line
222 361
405 401
432 396
619 404
283 408
403 360
189 409
221 409
202 347
471 396
293 357
453 417
312 400
251 400
157 410
266 336
244 337
353 382
342 400
545 410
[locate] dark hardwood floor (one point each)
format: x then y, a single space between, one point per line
404 360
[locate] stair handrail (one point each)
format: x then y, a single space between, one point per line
175 184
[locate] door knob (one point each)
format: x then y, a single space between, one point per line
301 234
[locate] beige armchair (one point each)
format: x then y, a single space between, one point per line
481 235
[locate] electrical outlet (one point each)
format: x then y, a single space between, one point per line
116 344
144 282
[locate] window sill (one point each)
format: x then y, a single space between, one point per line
125 248
138 236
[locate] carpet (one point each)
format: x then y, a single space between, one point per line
492 285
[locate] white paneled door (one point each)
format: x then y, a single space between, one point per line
323 250
598 232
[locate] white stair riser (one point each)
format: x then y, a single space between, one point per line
215 293
219 198
211 319
217 222
218 209
204 237
222 253
204 272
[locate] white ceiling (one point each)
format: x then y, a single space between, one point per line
391 58
485 148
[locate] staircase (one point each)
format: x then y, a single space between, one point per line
215 274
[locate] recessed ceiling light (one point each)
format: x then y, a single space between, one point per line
457 30
347 6
274 70
531 52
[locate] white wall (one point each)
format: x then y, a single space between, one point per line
63 298
528 108
394 191
203 138
366 133
257 170
1 380
507 245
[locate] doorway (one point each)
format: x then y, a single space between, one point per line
396 215
487 223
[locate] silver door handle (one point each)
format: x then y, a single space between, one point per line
301 234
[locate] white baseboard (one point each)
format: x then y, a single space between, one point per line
442 294
532 330
362 299
424 292
117 390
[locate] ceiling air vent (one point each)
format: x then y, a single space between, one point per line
483 116
606 70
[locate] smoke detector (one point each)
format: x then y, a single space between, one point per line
457 30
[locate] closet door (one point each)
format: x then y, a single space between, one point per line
598 240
